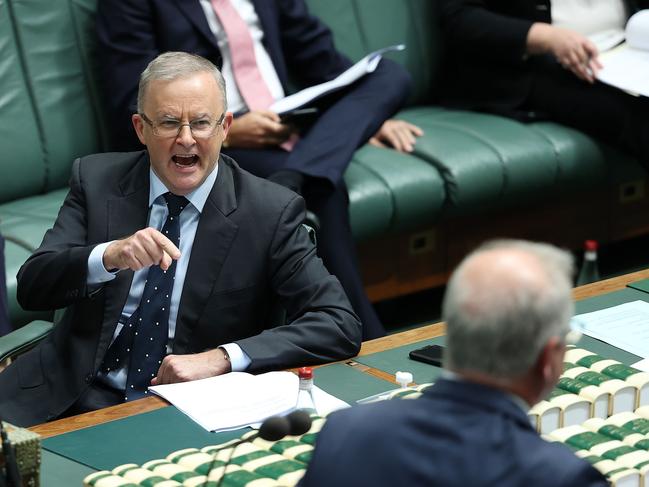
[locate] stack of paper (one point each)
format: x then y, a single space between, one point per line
233 400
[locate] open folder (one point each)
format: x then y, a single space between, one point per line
366 65
627 66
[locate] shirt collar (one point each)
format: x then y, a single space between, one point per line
198 197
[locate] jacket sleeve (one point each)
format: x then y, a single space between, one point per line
471 28
321 323
54 276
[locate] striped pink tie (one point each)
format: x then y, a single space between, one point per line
251 84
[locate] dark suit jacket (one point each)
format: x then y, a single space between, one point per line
249 252
131 33
457 434
486 66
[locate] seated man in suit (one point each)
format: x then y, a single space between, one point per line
507 310
169 262
257 44
533 60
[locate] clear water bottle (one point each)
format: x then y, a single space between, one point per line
589 271
305 400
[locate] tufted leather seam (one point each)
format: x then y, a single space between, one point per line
30 90
477 136
393 205
423 45
87 74
361 28
555 149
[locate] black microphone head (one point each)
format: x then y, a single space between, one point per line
299 422
274 428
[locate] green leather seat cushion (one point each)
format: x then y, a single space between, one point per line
391 192
490 162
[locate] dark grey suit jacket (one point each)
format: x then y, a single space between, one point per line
458 434
249 254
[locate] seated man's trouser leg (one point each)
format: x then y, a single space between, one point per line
606 113
323 153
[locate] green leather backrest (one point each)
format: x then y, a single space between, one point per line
21 169
53 116
50 109
362 26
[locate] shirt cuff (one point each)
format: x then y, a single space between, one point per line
97 273
239 360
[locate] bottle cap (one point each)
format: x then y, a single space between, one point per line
591 245
305 373
403 378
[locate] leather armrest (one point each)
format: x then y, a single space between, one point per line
24 338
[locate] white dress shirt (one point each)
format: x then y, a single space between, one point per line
246 10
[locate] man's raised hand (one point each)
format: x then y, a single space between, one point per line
144 248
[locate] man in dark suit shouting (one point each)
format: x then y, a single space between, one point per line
265 49
507 309
169 262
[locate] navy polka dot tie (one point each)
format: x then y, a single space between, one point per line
143 338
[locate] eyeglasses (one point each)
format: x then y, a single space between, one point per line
202 128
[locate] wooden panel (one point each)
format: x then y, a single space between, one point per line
399 265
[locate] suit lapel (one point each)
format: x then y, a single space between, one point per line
214 237
194 12
127 213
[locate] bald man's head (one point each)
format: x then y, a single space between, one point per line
503 303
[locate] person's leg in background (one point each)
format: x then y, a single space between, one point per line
321 156
606 113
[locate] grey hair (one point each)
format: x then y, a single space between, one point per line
174 65
497 327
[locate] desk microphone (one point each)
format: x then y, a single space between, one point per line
272 429
11 475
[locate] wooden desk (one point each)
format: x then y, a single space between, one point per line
378 345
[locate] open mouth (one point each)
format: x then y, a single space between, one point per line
185 160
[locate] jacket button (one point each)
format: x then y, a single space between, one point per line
89 378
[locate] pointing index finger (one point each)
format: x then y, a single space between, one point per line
167 245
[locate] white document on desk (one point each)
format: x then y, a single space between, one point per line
627 66
366 65
625 326
233 400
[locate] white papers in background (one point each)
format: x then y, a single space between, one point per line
627 66
366 65
233 400
642 365
625 326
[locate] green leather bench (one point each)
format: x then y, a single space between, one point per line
472 175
